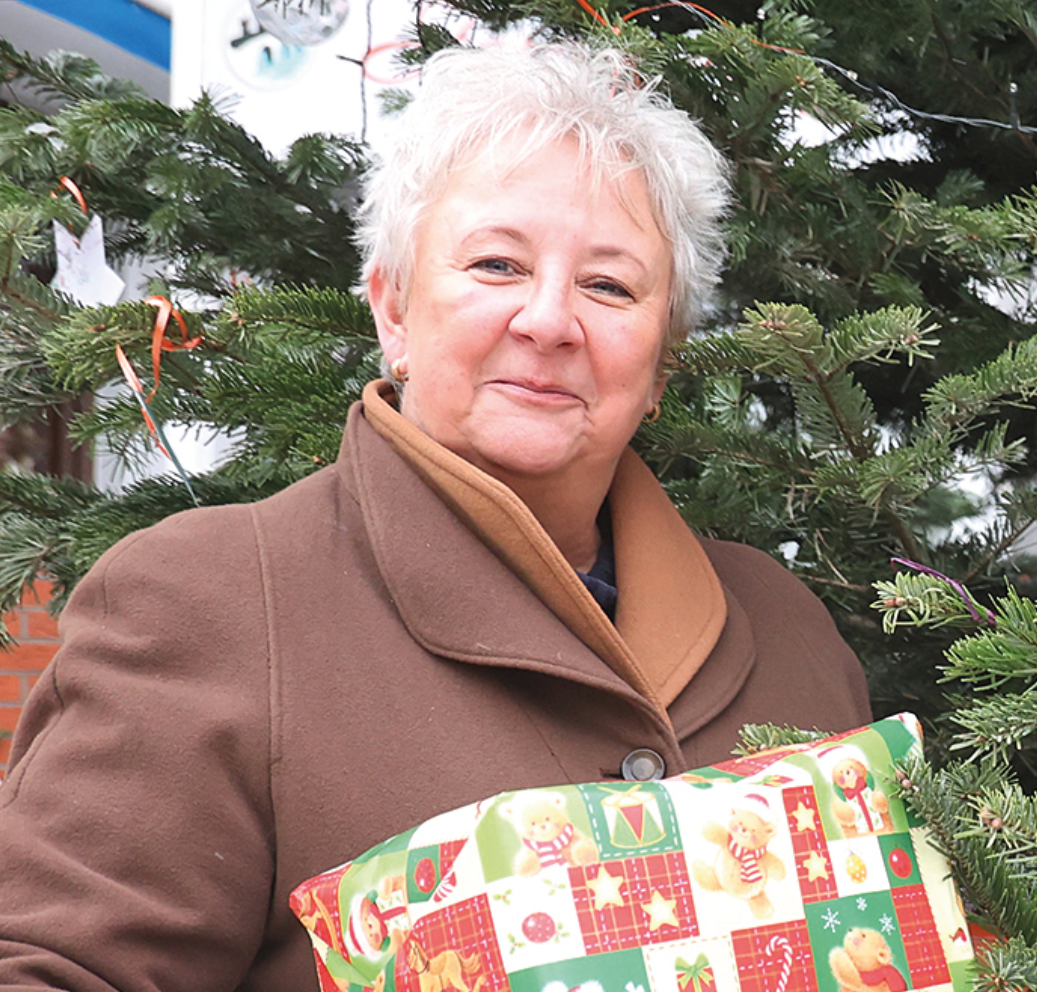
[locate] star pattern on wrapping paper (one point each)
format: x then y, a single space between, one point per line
805 818
606 888
660 911
815 866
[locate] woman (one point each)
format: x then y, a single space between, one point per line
487 591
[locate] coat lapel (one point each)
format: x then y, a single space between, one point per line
671 608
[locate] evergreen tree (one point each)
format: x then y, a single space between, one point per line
980 815
853 374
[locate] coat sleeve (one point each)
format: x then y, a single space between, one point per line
135 825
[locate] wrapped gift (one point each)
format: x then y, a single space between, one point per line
796 871
695 977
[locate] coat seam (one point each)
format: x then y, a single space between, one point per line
274 749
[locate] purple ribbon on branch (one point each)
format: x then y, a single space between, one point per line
960 589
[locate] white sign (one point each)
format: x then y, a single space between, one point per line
279 92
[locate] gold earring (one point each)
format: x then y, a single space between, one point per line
398 370
653 415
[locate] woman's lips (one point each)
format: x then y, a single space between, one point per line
532 391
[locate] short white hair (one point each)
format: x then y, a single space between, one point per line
471 101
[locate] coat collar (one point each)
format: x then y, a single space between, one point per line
671 610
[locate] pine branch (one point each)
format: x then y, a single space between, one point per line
1007 967
957 400
61 74
958 806
756 737
999 725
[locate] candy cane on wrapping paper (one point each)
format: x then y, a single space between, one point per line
445 888
778 943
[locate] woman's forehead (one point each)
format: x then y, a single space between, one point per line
562 164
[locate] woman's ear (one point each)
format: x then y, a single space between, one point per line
659 386
385 299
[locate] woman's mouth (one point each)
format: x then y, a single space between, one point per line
536 391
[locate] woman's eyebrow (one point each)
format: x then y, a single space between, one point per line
495 230
617 251
597 252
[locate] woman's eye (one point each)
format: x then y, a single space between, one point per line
495 266
610 288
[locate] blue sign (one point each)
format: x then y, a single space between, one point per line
134 28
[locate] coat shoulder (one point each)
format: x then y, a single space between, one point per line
750 572
211 537
801 655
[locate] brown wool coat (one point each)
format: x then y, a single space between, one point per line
249 695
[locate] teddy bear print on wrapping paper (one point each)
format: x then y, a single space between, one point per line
859 806
743 866
549 837
865 964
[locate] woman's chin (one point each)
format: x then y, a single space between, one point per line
533 452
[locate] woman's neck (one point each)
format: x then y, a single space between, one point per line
565 506
567 509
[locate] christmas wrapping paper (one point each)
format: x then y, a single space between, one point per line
795 870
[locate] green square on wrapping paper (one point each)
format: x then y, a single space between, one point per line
898 855
835 924
399 842
898 738
876 808
618 971
424 873
706 778
963 974
631 818
901 742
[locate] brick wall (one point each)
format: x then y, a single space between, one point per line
37 635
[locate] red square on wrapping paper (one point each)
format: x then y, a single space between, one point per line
814 871
448 852
458 942
925 954
752 764
775 958
648 901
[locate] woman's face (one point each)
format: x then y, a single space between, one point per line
534 327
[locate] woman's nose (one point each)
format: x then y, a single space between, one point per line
547 317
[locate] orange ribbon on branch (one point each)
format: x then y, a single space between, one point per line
153 427
138 391
159 341
686 5
75 191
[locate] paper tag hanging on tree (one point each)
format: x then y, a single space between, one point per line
83 272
